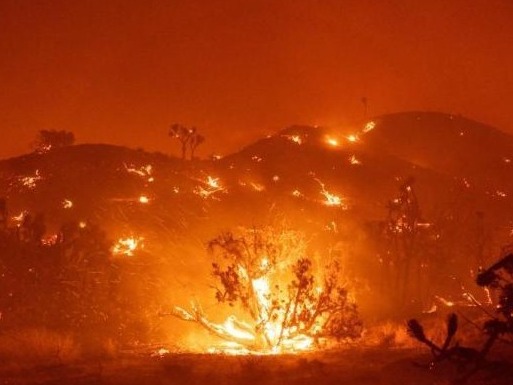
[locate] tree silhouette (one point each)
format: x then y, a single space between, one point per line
188 138
50 139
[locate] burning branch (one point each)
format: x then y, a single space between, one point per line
290 305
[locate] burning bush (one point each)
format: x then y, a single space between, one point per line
288 303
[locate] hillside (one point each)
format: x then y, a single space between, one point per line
294 171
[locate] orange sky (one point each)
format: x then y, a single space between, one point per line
122 71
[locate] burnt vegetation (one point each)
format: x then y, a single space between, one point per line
70 284
498 327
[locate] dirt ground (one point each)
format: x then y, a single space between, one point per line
355 366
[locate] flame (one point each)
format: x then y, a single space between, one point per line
369 126
353 138
144 199
67 204
213 182
353 160
257 186
213 185
295 139
127 246
49 240
332 141
143 171
331 199
445 301
18 219
30 181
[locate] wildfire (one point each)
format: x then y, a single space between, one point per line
331 199
143 171
297 193
257 186
333 142
30 181
127 246
213 185
353 138
144 199
289 320
49 240
353 160
67 204
295 139
369 126
213 182
18 219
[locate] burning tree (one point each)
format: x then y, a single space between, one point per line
287 304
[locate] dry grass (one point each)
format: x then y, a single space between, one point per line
38 346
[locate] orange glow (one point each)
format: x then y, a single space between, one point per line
144 172
30 181
127 246
369 126
353 160
333 142
331 200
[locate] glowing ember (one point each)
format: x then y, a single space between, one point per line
295 139
213 185
18 219
82 224
297 193
352 138
331 199
276 178
144 199
332 141
160 353
257 186
369 126
445 301
127 246
30 181
67 204
213 182
353 160
143 171
49 240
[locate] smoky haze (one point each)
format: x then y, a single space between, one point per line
122 71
